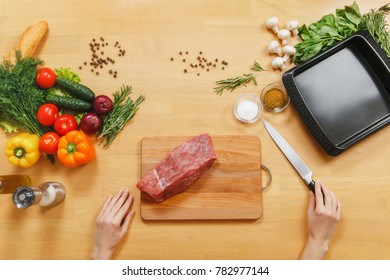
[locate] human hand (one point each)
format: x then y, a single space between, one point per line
112 224
323 214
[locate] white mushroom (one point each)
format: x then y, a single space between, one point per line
278 63
283 35
273 47
292 25
272 23
288 51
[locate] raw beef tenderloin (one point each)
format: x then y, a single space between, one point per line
180 169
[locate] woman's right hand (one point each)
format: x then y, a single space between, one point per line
323 213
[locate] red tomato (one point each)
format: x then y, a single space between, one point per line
47 114
46 78
49 143
65 123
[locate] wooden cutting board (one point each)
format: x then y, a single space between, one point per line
230 189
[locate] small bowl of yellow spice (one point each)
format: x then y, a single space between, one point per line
274 98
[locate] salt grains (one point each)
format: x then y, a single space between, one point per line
248 108
48 196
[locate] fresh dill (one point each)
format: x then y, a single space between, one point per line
232 83
20 97
123 110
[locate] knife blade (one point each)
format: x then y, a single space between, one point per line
291 155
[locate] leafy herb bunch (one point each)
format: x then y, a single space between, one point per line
20 97
124 110
330 29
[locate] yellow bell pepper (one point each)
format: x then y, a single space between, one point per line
23 150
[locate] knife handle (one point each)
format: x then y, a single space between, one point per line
311 186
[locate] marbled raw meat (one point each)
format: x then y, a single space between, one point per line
180 169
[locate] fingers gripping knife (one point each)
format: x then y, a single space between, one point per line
291 155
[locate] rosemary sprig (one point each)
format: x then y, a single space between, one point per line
124 109
232 83
256 67
375 22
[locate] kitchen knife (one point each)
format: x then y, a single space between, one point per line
291 155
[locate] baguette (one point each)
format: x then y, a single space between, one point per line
28 42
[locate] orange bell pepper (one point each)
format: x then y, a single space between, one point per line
75 148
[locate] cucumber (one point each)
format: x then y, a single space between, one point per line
76 89
70 103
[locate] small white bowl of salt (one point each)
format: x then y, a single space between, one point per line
248 108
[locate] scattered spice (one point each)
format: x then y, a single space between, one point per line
200 62
274 98
98 60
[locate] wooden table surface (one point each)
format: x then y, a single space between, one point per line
178 103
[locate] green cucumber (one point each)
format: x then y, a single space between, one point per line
69 103
76 89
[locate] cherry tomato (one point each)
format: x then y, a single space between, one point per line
65 123
47 114
46 78
49 143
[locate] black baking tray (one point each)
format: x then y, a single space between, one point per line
342 94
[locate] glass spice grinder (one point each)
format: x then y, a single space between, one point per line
47 194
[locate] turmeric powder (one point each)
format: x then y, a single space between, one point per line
274 98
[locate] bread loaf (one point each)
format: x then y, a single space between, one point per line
29 41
